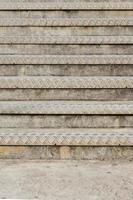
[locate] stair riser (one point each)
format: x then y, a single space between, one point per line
66 153
67 40
67 94
66 70
68 31
66 121
45 14
66 49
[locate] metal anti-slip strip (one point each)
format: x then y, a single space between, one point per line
38 22
66 39
66 107
66 5
66 82
66 59
66 137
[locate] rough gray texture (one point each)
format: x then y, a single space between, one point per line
67 107
66 70
66 94
66 180
68 137
66 153
69 82
68 31
65 13
66 22
66 59
40 49
67 40
66 121
73 61
58 5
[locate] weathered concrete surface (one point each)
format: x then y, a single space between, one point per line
66 70
66 153
35 41
70 13
66 121
68 31
66 49
66 180
66 94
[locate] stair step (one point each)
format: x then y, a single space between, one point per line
64 49
66 5
66 121
66 107
91 137
66 82
66 76
65 70
53 22
64 14
66 31
84 94
66 59
66 40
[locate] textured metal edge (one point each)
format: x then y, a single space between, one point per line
66 22
66 82
66 137
66 6
66 59
66 40
66 107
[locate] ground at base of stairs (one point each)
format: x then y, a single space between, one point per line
88 180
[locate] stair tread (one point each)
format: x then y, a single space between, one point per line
66 107
66 39
66 59
66 137
113 21
66 82
66 5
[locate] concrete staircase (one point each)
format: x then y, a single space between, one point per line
66 76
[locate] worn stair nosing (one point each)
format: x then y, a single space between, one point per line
67 107
66 82
67 137
53 22
66 39
66 6
66 59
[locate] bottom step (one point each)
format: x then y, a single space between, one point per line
67 137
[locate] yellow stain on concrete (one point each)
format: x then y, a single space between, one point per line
12 149
64 152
